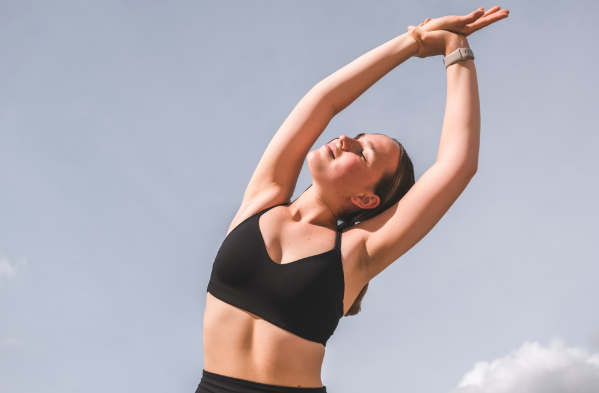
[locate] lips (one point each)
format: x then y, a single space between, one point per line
330 150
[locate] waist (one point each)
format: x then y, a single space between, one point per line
216 383
241 345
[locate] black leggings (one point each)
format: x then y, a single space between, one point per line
216 383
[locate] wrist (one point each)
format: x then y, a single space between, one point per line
457 41
414 45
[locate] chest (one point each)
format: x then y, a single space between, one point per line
304 296
297 257
286 241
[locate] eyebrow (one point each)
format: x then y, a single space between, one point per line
368 143
371 146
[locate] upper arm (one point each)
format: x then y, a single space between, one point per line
275 177
281 163
393 232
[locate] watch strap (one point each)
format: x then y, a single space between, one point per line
459 54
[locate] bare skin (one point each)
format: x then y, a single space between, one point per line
242 345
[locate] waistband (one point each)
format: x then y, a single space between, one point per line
216 383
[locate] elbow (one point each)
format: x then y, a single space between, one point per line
466 170
328 97
469 165
463 170
458 171
470 170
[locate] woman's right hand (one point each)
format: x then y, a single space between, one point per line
466 24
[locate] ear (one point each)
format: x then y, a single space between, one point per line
368 201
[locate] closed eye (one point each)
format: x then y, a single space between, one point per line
361 152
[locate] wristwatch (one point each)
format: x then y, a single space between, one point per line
459 54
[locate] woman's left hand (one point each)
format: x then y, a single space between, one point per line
435 43
467 24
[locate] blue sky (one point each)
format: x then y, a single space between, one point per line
129 130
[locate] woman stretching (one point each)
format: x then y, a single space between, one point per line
287 272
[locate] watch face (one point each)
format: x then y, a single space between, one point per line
466 53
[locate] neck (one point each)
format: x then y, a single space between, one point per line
312 207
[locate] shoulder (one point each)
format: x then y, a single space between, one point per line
255 206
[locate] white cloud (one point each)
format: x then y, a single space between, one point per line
8 270
10 342
534 368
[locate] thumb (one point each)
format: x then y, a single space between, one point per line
416 33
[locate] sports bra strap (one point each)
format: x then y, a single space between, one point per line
269 208
338 240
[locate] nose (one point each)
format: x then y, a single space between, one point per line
345 143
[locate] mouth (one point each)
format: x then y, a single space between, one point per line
330 150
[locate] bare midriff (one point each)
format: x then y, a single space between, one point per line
240 344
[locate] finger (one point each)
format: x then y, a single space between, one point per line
494 17
467 30
492 10
425 22
415 32
486 21
473 16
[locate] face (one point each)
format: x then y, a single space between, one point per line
352 167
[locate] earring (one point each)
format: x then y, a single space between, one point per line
355 198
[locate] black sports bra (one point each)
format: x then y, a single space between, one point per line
304 297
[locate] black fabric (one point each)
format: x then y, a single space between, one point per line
304 297
216 383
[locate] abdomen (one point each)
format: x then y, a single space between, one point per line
242 345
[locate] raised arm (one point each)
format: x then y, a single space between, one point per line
392 233
275 177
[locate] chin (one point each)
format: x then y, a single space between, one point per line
311 155
323 171
318 165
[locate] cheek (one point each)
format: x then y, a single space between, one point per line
350 174
353 168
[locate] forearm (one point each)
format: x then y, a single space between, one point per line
344 86
460 137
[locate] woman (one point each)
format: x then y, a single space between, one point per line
287 272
